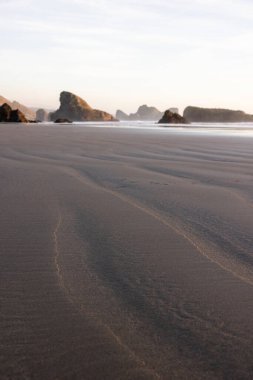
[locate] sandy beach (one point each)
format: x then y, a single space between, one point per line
125 254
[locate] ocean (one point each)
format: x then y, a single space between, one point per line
227 129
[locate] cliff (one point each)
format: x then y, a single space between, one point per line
216 115
74 108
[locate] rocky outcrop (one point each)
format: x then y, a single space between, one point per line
41 115
18 117
146 113
28 112
120 115
5 112
74 108
8 115
216 115
172 118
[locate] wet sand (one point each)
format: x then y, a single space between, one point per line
125 254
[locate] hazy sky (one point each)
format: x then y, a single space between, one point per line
124 53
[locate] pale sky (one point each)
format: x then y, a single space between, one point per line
125 53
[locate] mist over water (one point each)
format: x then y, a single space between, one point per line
226 129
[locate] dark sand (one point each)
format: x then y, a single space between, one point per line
125 254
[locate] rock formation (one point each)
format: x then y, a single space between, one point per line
120 115
17 117
8 115
216 115
41 115
29 113
5 112
74 108
172 118
144 113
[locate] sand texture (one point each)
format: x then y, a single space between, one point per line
125 254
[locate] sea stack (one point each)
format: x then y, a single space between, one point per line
120 115
41 115
7 115
28 112
5 112
74 108
144 113
216 115
172 118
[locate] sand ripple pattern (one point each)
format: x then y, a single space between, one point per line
125 254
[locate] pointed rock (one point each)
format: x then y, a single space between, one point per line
172 118
8 115
5 112
120 115
74 108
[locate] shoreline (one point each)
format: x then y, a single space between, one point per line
219 129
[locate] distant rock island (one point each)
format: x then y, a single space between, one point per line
28 112
41 115
144 113
172 118
120 115
216 115
74 108
7 115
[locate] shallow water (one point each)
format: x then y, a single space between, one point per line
226 129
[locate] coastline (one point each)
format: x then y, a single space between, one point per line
218 129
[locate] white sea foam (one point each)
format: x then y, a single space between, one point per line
226 129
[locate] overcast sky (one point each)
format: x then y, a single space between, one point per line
124 53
